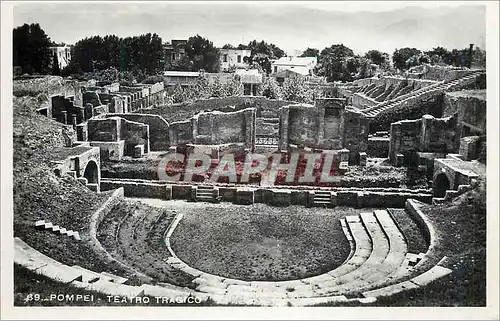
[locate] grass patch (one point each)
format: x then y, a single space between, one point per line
261 242
413 234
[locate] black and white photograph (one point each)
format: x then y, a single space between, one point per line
250 159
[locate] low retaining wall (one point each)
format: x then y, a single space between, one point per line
412 207
272 196
96 219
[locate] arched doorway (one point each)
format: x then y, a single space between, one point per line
441 185
91 173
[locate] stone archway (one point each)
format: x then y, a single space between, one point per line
91 172
441 185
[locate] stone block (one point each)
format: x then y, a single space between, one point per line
138 151
433 274
346 198
58 272
390 290
281 198
362 158
82 180
244 196
400 160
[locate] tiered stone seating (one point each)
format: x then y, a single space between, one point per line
378 257
401 99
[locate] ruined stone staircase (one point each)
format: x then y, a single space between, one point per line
420 93
322 199
42 224
451 194
206 194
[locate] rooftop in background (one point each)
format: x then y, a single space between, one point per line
304 71
296 61
181 73
251 76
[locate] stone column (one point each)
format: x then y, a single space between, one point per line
284 116
425 133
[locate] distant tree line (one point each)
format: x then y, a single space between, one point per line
145 55
339 63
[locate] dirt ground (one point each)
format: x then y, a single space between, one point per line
260 242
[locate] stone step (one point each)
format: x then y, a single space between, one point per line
438 200
204 193
113 278
322 197
205 188
204 197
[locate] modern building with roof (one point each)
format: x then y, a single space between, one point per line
229 58
287 67
250 79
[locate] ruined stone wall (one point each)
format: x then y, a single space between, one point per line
303 125
267 108
64 110
158 129
470 106
225 128
435 72
116 129
378 147
328 125
134 133
427 134
180 133
356 129
271 196
216 128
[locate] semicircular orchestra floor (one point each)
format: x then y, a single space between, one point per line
259 242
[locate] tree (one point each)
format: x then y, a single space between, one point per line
55 65
228 46
144 52
295 89
379 58
31 48
400 56
270 89
417 60
479 58
440 55
333 63
310 52
203 54
262 52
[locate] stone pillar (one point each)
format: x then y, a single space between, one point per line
81 115
194 128
425 134
250 129
89 111
64 117
284 116
394 142
320 108
74 120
